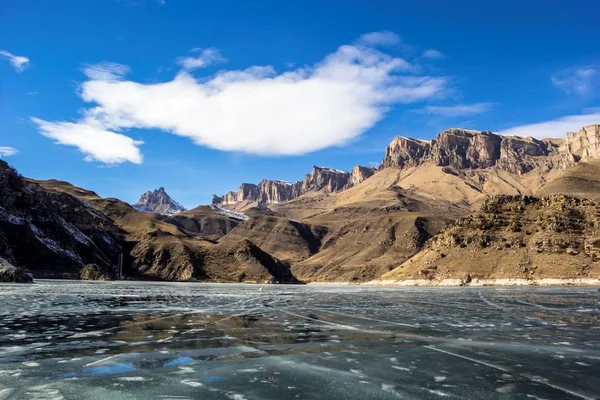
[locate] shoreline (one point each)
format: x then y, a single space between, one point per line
382 283
474 282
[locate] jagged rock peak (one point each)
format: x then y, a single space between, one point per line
158 201
268 191
360 174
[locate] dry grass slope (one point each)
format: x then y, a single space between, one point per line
513 237
581 180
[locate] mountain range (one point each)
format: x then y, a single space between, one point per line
466 207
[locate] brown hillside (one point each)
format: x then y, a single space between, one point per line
513 237
286 239
182 247
580 180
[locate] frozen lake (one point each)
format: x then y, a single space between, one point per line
135 340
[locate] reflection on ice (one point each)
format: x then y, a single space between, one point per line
116 340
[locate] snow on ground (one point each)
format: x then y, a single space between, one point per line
76 233
13 219
52 244
230 214
337 171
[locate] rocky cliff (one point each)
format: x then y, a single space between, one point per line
406 152
360 174
158 201
468 149
327 180
581 146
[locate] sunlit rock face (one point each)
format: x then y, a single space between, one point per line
360 174
583 145
406 152
329 180
158 201
468 149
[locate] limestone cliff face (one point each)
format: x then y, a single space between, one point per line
246 191
521 155
360 174
322 178
274 191
581 146
405 152
467 149
268 191
455 148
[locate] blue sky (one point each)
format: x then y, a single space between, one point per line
123 96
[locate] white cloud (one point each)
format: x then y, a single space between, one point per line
255 110
433 54
204 59
457 110
6 151
106 71
97 143
579 81
18 62
556 128
383 38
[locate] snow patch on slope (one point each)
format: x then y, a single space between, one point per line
52 245
76 233
230 214
335 170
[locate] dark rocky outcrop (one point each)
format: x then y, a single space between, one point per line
11 274
52 234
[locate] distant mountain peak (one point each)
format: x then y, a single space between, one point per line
158 201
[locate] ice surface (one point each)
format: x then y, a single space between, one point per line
126 340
